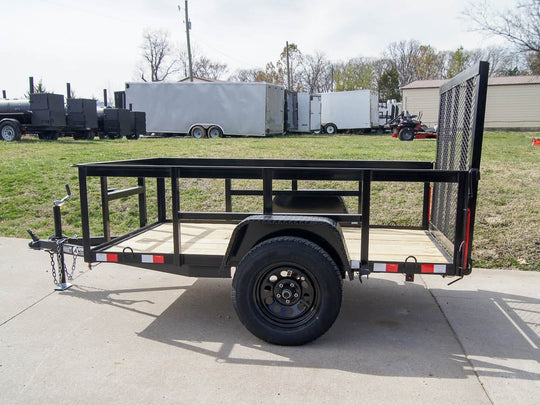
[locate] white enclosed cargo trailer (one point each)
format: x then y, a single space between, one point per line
303 112
349 110
209 109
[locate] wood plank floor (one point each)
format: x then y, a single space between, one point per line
384 244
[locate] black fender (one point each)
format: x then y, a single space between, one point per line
257 228
13 121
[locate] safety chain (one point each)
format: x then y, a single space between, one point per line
59 251
53 267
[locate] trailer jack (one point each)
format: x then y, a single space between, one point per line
55 247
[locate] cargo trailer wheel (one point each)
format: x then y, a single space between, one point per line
406 134
215 132
132 136
198 132
330 129
10 131
287 291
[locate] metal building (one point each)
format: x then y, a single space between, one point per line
512 102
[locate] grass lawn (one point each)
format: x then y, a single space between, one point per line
507 234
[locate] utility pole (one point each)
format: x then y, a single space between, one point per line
188 27
288 68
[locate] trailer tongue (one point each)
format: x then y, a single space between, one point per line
288 259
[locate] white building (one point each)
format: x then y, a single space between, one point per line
513 102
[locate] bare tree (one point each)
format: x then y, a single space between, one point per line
414 61
501 60
520 25
244 75
315 73
203 67
157 56
403 55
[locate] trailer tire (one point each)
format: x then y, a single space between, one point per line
132 137
215 132
330 129
198 132
406 134
10 131
287 291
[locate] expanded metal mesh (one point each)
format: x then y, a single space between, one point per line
454 150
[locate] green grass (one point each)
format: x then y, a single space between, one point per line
507 234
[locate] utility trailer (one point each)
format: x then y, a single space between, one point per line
42 114
210 109
356 110
302 112
289 257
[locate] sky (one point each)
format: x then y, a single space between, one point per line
97 44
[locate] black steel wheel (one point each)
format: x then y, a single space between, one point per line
10 131
287 291
406 134
330 129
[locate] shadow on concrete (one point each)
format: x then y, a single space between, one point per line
385 328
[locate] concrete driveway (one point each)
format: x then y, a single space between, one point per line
130 335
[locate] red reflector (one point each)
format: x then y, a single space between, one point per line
428 268
392 267
112 257
159 259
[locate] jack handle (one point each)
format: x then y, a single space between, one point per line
58 203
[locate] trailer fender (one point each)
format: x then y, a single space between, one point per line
255 229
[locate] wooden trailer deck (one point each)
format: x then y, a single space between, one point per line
213 239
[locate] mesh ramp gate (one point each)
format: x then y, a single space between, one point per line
459 142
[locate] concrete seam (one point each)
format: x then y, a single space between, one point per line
26 309
473 368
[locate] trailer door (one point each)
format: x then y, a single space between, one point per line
315 112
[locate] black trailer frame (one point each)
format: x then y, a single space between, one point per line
448 211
